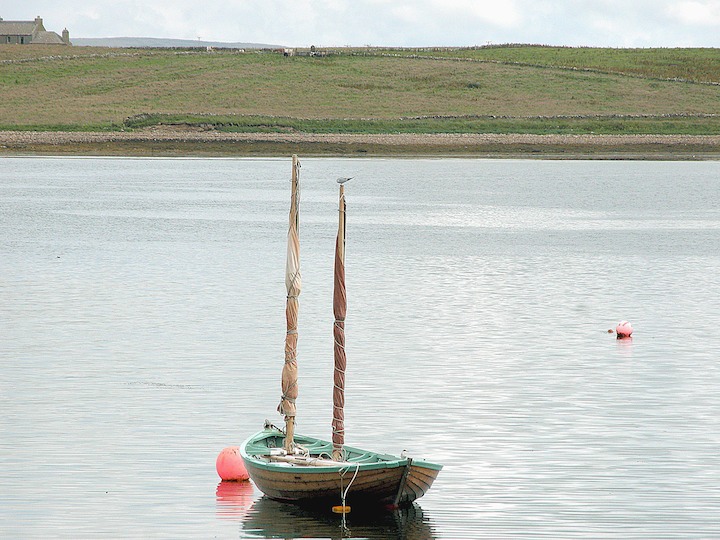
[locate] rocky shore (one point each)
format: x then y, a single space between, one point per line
174 140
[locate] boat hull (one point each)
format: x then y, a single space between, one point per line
299 486
372 478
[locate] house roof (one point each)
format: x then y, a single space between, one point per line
17 28
48 38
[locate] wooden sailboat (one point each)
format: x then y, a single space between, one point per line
296 468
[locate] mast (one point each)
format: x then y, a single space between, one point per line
293 284
339 310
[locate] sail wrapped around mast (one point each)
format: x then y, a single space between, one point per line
340 311
293 283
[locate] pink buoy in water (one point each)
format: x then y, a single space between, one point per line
230 466
623 330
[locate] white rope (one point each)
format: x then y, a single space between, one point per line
343 494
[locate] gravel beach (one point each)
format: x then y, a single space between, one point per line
174 141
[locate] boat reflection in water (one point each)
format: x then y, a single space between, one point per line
267 518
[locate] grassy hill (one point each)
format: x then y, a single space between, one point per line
511 89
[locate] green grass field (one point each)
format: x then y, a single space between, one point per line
518 89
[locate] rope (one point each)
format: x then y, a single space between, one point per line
303 451
343 494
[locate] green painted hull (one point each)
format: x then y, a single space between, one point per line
373 478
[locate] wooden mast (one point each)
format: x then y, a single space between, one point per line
293 285
339 310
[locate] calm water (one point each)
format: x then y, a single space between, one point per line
142 329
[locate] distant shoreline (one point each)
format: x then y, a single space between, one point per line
189 142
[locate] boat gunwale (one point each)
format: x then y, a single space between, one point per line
384 461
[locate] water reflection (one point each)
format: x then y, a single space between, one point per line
624 345
234 499
271 519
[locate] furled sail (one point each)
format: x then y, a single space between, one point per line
293 284
339 310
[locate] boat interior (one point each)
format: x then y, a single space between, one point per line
310 451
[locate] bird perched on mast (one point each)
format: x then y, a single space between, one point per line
342 179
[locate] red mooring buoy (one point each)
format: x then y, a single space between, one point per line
230 466
623 330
